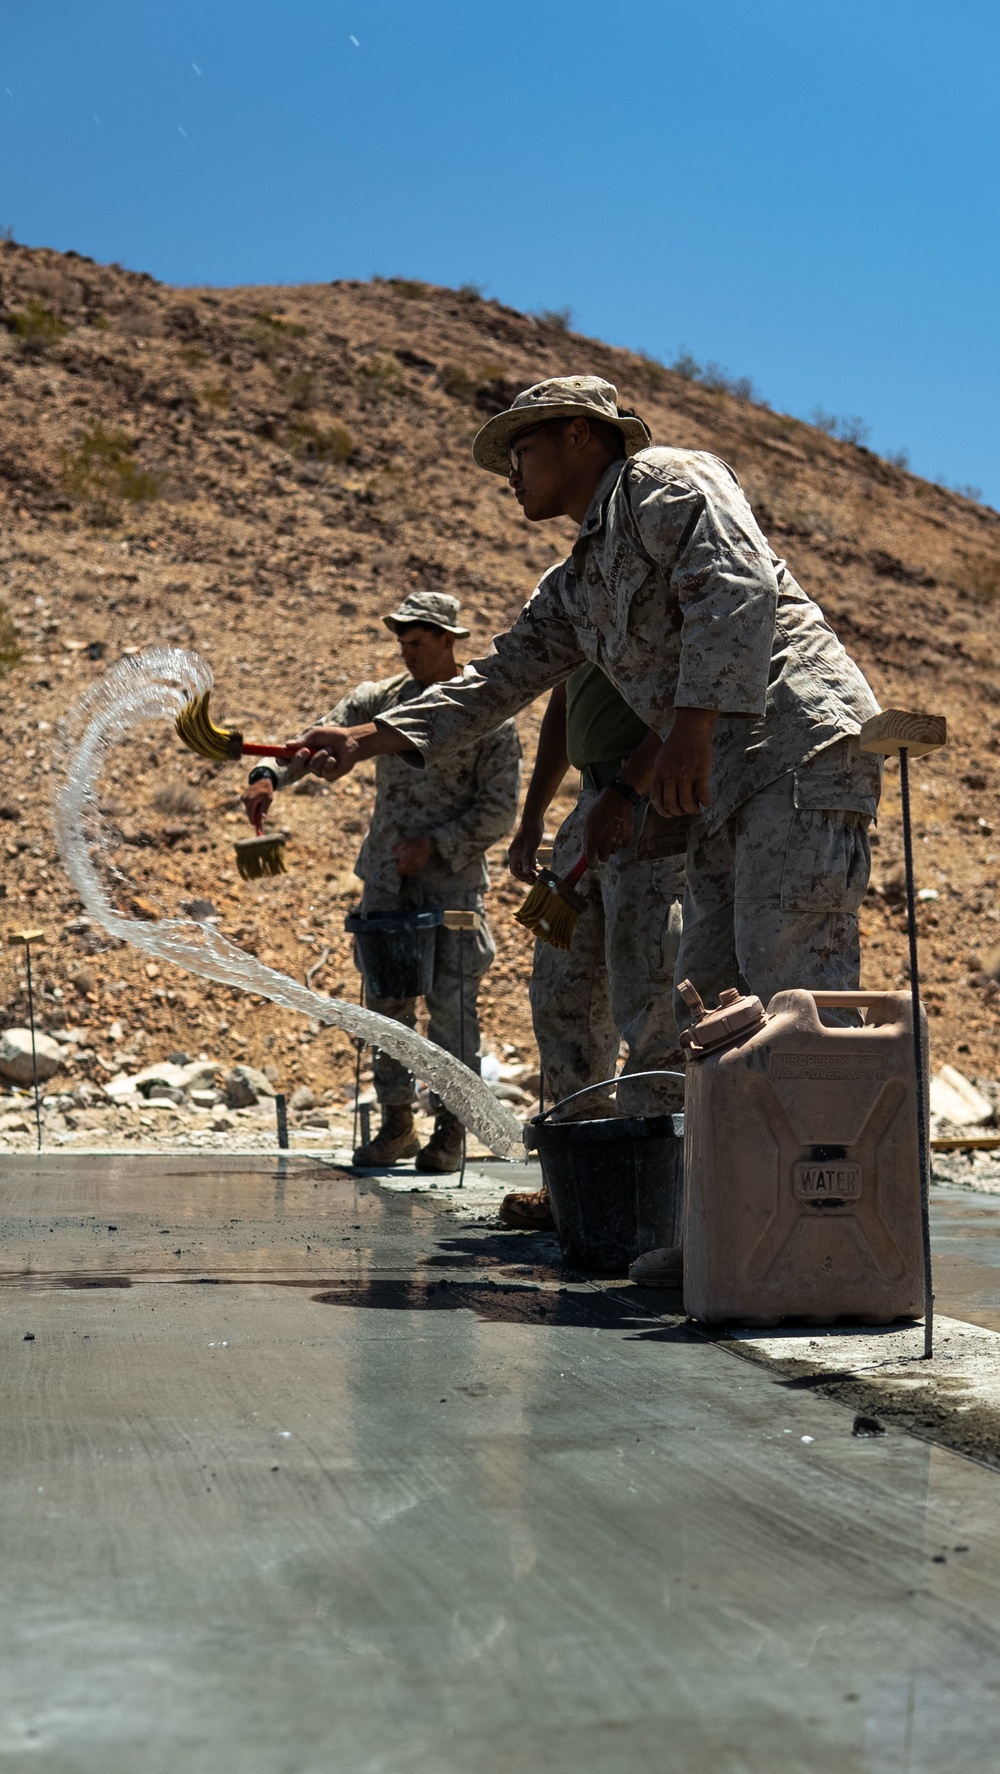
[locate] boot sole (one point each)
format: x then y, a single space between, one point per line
435 1169
361 1163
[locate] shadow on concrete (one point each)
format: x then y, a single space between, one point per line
523 1249
494 1302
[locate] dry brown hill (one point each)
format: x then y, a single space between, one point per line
258 473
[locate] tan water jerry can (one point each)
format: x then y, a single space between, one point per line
801 1173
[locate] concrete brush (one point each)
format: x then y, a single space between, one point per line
220 745
263 854
551 909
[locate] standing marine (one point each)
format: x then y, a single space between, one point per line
614 984
671 588
425 847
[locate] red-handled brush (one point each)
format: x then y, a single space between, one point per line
551 909
222 744
260 855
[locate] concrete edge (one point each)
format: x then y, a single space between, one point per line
953 1400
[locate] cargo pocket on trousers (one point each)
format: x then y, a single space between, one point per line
827 862
665 918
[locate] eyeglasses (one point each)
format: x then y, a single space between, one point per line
519 442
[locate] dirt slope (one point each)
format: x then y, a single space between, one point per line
259 474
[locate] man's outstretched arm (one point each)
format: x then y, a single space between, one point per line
332 752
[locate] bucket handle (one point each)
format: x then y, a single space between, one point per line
629 1078
848 1000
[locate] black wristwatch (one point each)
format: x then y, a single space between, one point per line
625 789
259 774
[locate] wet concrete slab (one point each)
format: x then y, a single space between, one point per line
362 1485
966 1231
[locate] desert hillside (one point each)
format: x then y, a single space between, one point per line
259 474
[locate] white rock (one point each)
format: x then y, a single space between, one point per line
120 1088
954 1099
489 1067
163 1072
15 1056
14 1124
245 1086
204 1099
199 1075
127 1084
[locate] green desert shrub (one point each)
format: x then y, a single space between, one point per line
101 472
271 337
10 652
36 327
322 443
463 381
411 287
378 376
982 578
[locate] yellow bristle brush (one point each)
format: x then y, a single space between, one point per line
260 855
551 909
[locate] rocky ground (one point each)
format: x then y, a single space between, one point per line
196 1103
259 474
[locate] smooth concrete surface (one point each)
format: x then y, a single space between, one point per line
966 1228
351 1484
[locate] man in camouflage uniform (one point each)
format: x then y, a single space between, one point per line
614 983
673 591
425 847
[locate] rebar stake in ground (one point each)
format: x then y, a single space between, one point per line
27 937
895 730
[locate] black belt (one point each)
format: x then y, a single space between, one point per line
599 775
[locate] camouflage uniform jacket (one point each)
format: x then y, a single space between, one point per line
465 800
674 592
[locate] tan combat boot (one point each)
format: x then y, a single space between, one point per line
443 1151
527 1210
396 1139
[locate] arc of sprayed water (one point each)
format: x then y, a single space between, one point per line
154 685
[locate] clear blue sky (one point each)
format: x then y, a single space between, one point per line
807 193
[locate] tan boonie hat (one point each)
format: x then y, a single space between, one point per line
435 609
562 397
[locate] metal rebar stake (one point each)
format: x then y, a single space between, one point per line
912 735
34 1050
360 1045
26 938
281 1111
923 1144
461 1033
461 921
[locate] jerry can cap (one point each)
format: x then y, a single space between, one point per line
736 1017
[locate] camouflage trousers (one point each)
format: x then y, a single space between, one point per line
452 1002
616 982
772 897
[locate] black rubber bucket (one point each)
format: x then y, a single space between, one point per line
616 1187
395 951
